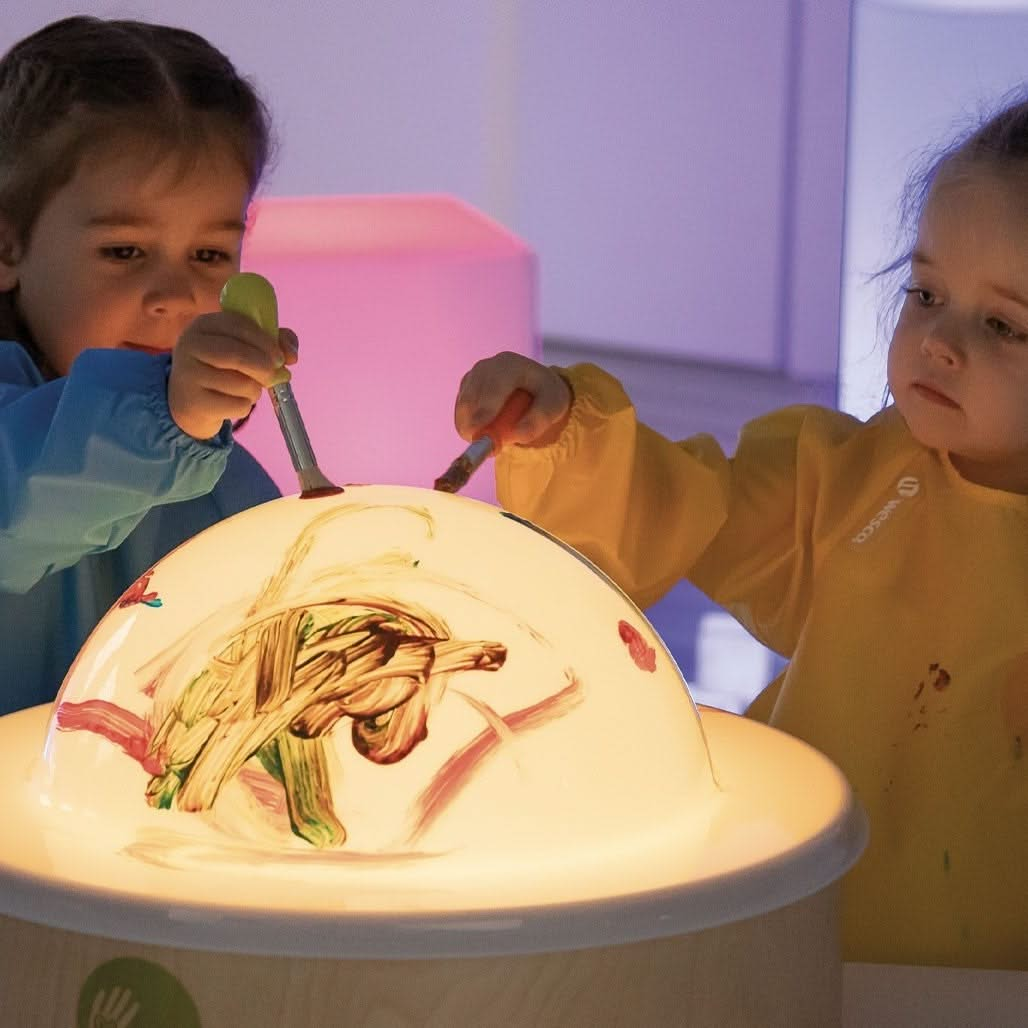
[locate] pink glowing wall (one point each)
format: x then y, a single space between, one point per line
393 298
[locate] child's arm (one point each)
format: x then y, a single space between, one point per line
83 458
650 511
638 505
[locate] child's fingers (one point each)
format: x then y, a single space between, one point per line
232 358
542 422
219 368
230 342
486 388
225 383
290 345
201 398
231 325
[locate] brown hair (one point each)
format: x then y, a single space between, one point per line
82 80
998 140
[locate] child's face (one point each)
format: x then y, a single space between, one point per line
128 253
958 364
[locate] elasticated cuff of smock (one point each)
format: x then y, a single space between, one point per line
597 398
143 379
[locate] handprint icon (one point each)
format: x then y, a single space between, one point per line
114 1009
128 992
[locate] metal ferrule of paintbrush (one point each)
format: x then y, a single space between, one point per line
298 443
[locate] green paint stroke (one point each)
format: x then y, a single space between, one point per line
132 993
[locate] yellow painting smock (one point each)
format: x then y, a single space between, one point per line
897 590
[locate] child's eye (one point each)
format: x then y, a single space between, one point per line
924 297
121 253
209 255
1006 331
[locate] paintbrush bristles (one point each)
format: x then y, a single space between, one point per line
455 477
457 474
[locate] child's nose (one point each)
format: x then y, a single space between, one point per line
942 343
169 294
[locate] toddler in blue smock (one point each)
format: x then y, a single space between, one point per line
129 154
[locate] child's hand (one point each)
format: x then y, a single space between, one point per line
485 388
220 366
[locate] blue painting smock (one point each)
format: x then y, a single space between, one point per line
97 483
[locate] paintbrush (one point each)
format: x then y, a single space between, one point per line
252 295
491 438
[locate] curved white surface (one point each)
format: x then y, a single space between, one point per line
451 679
785 826
397 722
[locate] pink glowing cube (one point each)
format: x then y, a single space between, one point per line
393 298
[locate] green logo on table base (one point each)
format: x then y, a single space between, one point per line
131 993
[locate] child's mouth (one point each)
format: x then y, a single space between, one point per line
928 393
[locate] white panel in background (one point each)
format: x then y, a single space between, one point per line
652 162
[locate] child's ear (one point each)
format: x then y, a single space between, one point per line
10 254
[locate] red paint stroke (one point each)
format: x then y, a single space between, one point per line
268 792
453 775
132 734
644 655
150 688
136 593
126 730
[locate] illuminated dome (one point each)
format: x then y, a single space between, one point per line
372 722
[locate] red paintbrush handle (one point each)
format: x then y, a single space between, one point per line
510 414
